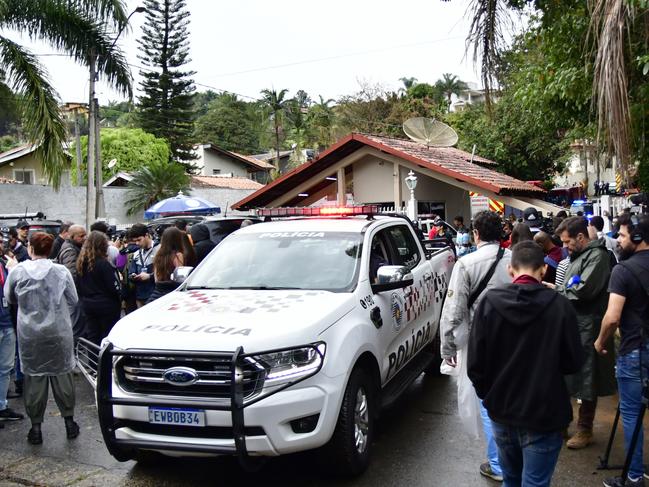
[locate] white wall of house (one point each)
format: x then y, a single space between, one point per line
373 183
581 170
211 161
69 202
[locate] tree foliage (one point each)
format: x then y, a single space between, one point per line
133 149
154 183
74 27
166 107
229 123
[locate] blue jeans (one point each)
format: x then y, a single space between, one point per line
527 457
629 383
7 353
492 447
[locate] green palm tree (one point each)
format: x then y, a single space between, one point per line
449 85
611 29
74 27
407 83
154 183
321 118
277 103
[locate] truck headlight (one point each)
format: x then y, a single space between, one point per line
285 367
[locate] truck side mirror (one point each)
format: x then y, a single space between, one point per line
180 274
389 277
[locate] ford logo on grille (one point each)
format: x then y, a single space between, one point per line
180 376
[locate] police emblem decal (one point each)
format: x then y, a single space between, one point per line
397 310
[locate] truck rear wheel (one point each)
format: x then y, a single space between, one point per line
435 349
350 446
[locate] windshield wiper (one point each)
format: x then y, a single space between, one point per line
262 288
252 288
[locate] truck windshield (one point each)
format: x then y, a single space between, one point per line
282 260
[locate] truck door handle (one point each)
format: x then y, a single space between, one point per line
375 316
408 292
428 277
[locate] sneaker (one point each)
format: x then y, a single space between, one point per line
581 439
617 482
9 414
485 469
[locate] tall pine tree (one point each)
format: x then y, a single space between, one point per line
166 107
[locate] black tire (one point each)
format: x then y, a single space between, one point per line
344 454
147 458
435 349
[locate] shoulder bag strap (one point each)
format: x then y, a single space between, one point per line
640 273
485 280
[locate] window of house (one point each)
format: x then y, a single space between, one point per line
216 172
25 176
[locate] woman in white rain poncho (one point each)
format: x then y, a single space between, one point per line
45 295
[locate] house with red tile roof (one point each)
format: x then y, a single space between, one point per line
372 169
215 161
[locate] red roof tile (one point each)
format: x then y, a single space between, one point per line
223 182
457 161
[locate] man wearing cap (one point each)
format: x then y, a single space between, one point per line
17 247
533 219
23 232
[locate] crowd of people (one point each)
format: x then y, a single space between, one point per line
529 323
79 284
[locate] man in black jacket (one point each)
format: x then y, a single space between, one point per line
203 245
523 341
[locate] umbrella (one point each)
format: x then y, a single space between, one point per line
181 205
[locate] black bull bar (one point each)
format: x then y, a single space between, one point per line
122 449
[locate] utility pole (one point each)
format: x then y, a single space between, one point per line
90 187
100 210
77 143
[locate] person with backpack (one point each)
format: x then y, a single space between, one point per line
628 310
584 285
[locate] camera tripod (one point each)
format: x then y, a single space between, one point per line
603 461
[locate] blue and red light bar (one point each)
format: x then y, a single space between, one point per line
319 211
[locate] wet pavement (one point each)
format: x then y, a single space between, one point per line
418 444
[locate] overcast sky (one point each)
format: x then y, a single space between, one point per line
324 48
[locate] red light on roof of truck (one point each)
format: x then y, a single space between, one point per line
319 211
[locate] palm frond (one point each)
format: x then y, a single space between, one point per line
112 12
486 38
44 123
154 183
610 21
68 28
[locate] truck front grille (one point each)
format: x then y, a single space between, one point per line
146 375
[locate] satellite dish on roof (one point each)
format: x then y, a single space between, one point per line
430 132
111 163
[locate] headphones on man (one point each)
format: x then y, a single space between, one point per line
637 236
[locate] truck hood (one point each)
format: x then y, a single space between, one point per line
223 320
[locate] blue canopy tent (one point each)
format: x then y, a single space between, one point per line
181 205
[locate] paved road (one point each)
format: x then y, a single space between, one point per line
418 444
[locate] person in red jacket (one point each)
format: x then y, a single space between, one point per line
553 255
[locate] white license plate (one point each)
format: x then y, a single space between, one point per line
177 416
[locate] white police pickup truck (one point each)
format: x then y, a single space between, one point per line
290 336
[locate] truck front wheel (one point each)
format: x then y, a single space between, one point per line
350 445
